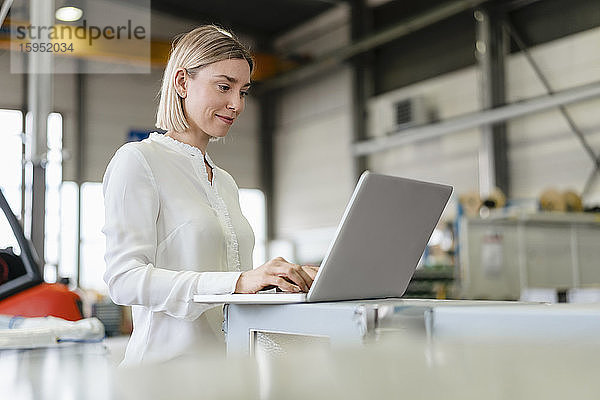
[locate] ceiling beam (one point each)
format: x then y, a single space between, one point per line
405 27
477 119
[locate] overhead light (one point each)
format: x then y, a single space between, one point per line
68 14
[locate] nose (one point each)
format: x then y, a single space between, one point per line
236 104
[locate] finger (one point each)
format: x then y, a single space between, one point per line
292 272
296 278
284 284
311 271
306 276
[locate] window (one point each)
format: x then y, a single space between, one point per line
92 239
69 199
252 202
52 227
11 177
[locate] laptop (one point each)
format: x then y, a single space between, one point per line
377 245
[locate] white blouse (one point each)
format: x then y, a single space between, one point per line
171 234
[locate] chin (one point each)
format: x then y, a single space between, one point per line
216 138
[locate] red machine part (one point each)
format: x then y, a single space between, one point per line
43 300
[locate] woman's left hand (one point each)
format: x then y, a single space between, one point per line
277 272
311 270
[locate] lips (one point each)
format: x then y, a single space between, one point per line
227 120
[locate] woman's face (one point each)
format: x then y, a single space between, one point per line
214 96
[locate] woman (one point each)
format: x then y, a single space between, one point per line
174 227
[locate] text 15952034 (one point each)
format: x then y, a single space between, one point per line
46 47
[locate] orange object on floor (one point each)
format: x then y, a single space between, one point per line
43 300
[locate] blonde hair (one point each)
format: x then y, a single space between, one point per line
193 50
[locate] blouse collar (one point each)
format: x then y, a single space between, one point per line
181 147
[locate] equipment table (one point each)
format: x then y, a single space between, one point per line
248 326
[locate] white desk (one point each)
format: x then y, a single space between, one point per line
339 323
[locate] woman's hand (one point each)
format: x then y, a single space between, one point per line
311 270
277 272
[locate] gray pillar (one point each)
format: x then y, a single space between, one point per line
268 104
490 47
81 94
362 81
39 95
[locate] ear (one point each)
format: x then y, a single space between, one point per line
181 79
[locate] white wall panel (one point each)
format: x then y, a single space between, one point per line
317 99
544 152
567 62
446 96
451 159
313 161
314 175
558 163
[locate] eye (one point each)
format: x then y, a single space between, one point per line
223 88
244 93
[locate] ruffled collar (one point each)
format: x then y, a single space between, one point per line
181 147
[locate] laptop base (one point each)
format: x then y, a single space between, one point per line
262 298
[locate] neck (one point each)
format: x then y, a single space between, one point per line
199 139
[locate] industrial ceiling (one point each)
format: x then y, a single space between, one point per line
261 19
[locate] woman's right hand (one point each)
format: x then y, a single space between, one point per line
277 272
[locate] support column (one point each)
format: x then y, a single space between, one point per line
268 103
491 47
81 94
39 96
362 81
